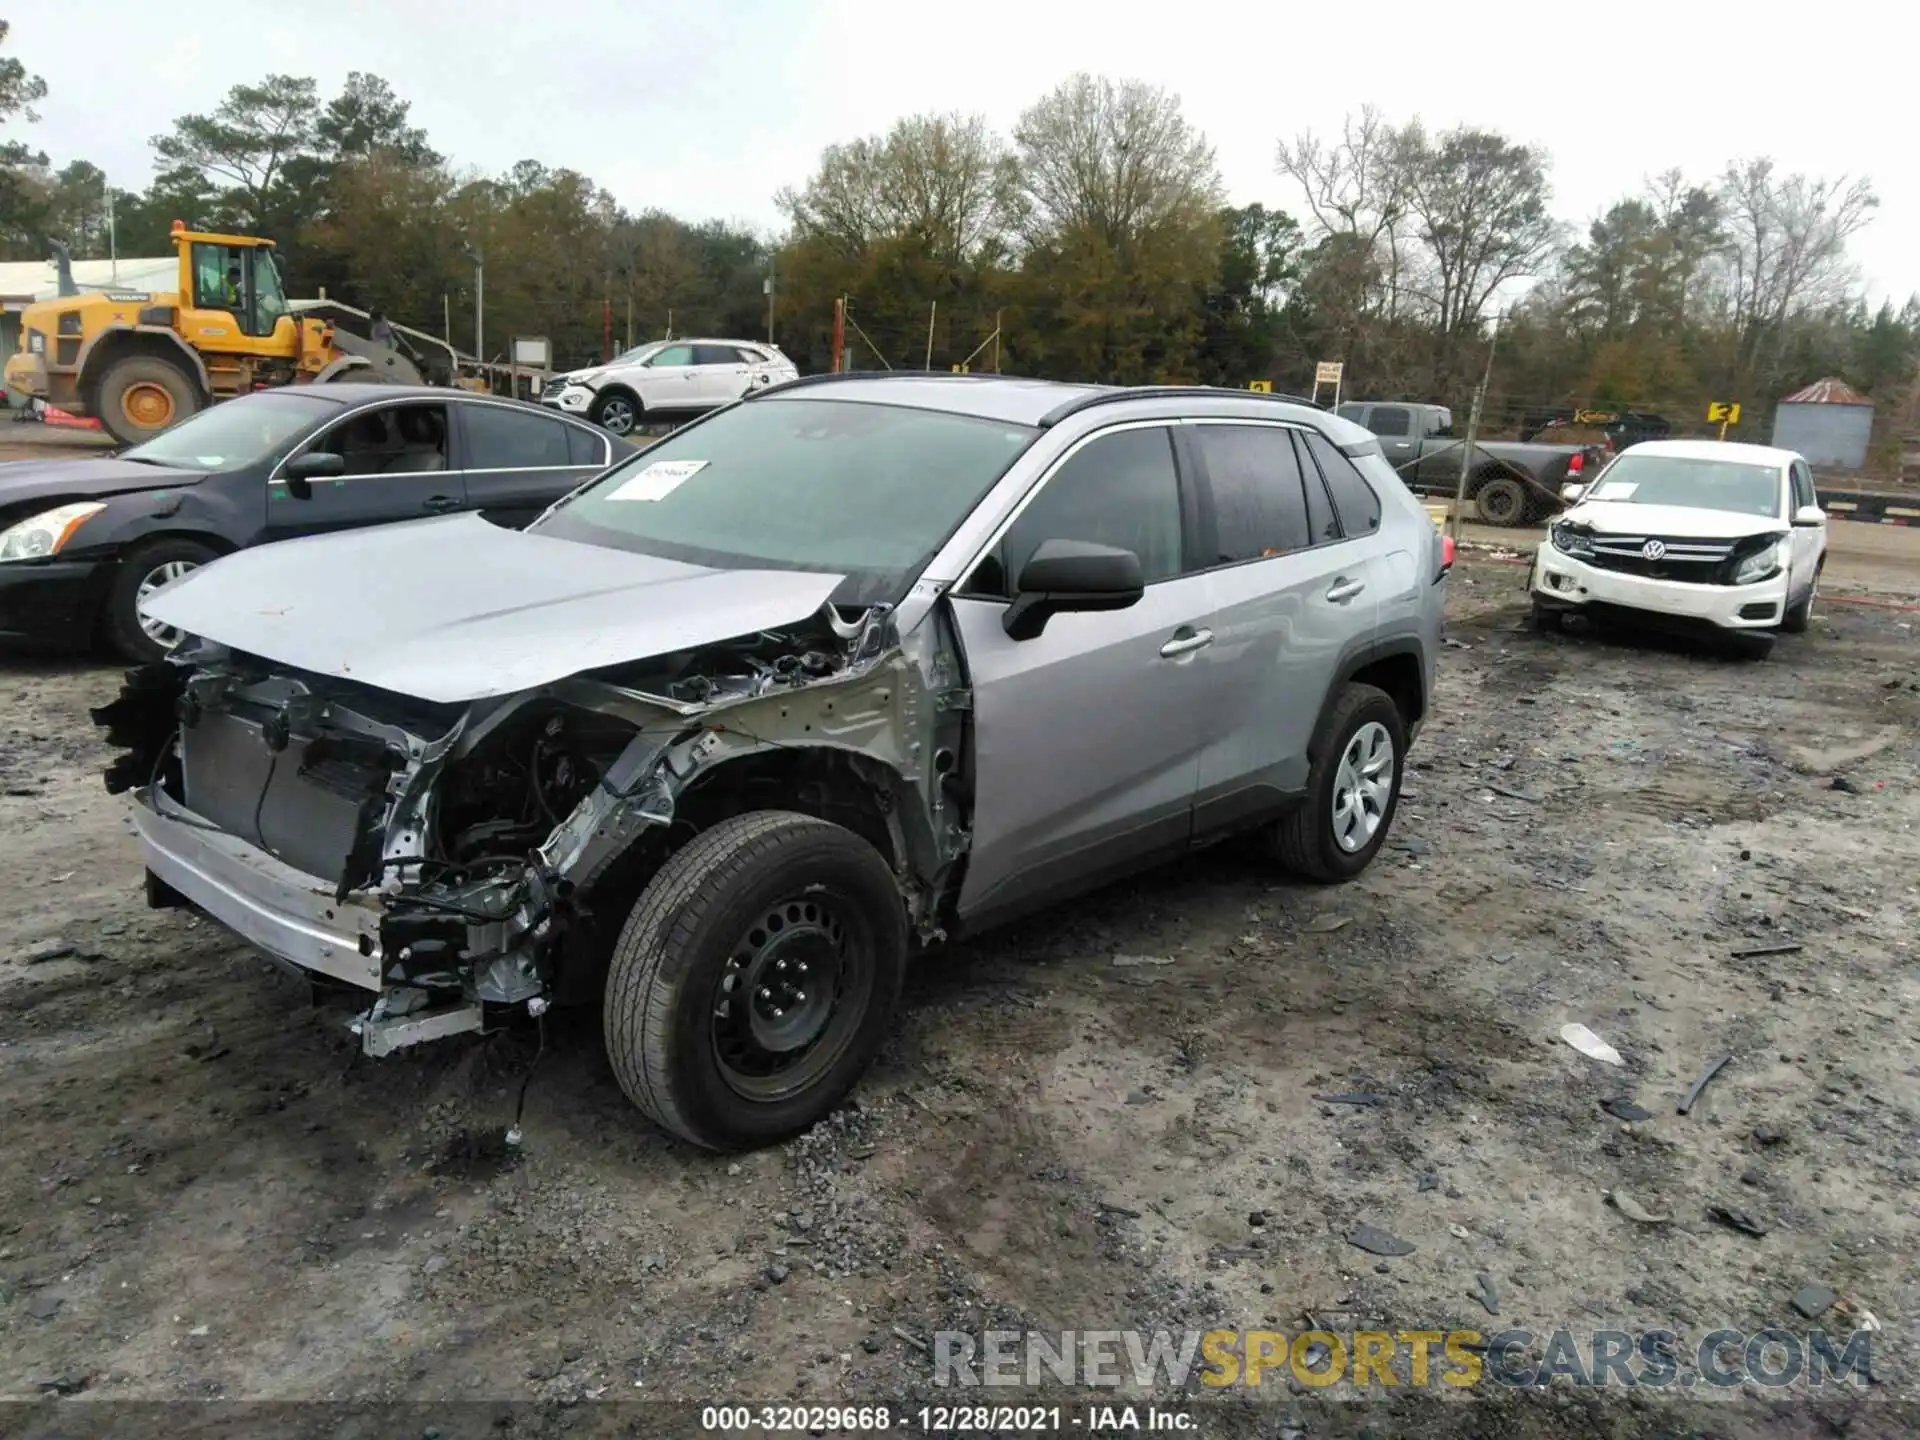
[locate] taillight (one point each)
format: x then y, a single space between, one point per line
1446 557
1577 463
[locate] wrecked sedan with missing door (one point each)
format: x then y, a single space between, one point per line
704 735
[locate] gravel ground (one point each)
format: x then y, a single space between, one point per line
1106 1118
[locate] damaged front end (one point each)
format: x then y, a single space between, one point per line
465 861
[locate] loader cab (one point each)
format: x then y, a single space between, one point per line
240 277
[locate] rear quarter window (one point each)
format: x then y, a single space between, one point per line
1356 501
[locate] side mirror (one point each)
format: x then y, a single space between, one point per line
1070 575
1572 493
302 470
1809 515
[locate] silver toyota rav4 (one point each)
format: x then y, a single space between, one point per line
847 668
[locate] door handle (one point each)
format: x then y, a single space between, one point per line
1186 640
439 504
1342 591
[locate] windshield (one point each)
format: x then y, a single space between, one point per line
869 491
1639 478
245 431
635 355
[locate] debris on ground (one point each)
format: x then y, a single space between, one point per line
1634 1210
1756 952
1622 1107
1486 1292
1713 1068
1378 1242
1736 1219
1126 962
1813 1301
1590 1044
1326 924
1352 1097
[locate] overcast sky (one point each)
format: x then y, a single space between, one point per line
706 109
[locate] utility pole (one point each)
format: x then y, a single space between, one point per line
933 309
479 304
769 300
113 242
996 342
629 319
839 334
1473 433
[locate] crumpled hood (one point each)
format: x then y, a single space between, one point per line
456 609
25 481
1611 517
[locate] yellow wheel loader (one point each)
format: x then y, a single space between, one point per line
139 362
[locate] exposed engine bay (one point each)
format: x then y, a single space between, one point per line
462 860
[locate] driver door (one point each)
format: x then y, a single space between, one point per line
399 466
1087 737
667 380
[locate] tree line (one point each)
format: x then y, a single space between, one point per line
1093 241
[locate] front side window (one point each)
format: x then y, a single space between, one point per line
672 357
246 431
390 440
1120 490
1803 493
1259 502
1641 478
864 490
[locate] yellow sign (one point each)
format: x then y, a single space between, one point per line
1718 414
1328 372
962 370
1260 387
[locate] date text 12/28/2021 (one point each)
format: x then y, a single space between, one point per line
941 1419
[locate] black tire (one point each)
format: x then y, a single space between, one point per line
618 412
1752 644
121 621
1547 620
1304 841
1798 617
678 969
142 395
1502 501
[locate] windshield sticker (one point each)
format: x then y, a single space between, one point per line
1615 490
658 480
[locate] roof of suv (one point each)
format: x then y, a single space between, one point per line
1730 450
1003 397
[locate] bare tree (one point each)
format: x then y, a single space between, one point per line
1478 203
1112 160
1787 248
1356 194
945 181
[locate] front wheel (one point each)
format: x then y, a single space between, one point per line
616 412
754 979
143 571
142 395
1353 788
1798 617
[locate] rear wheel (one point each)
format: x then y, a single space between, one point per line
142 395
143 571
1353 788
1502 501
616 412
754 979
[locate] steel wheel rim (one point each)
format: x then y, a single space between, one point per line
616 416
1363 787
147 405
165 636
791 995
1505 509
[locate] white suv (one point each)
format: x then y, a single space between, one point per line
667 380
1698 534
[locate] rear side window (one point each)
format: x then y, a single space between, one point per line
1259 503
1389 420
584 447
1353 497
502 439
717 355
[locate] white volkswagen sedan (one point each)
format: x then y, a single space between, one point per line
1692 534
667 380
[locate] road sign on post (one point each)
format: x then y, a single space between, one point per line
1260 387
1328 372
1723 415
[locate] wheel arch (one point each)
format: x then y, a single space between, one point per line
120 342
1393 666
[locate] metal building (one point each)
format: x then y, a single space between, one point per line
1829 422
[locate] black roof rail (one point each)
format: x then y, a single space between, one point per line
829 377
1115 394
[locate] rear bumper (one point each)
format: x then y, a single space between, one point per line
52 604
289 914
1562 583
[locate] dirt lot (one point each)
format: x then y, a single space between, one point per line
1104 1119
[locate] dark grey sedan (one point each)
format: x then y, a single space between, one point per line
83 542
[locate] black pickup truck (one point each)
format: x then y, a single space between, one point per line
1512 482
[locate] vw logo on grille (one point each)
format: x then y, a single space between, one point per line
1653 550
